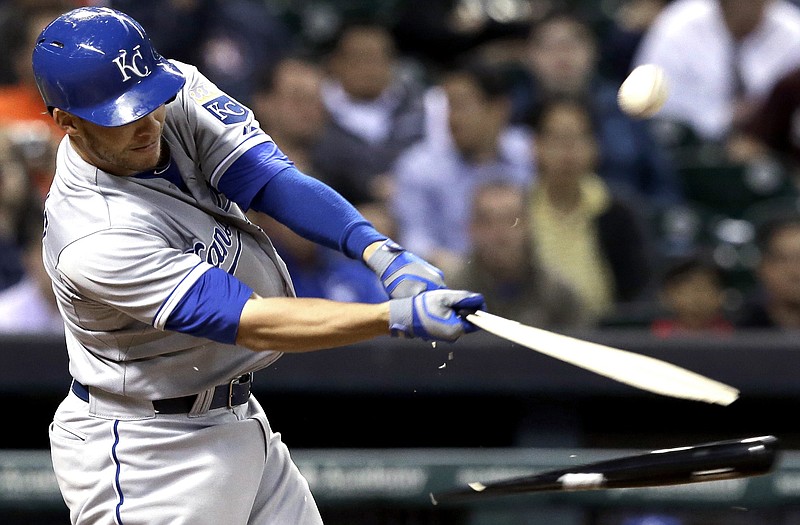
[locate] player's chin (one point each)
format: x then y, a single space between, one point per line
151 149
145 158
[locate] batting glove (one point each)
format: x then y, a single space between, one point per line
402 273
433 316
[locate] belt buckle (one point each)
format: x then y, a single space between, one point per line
244 378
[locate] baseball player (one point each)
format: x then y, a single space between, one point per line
172 299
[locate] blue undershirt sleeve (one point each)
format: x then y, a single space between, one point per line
251 171
265 180
317 212
211 307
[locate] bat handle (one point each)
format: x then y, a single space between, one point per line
464 312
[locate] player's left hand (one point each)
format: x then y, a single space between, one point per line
402 273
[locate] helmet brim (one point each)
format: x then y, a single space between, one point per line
147 95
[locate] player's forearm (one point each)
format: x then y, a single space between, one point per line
317 212
306 324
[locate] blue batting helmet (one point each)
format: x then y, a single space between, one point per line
98 63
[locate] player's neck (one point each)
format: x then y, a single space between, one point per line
163 158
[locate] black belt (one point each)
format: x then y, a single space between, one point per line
229 395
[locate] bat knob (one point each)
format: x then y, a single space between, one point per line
464 312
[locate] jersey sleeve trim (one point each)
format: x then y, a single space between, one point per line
222 167
212 307
169 305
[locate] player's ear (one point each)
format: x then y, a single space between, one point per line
66 121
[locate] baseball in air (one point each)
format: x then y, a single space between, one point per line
644 92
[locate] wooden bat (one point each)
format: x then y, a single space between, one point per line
640 371
736 458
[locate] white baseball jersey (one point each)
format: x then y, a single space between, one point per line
123 251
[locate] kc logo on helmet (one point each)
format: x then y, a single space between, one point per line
131 66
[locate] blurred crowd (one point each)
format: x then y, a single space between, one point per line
486 137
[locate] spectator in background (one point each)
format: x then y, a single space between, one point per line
437 32
721 57
20 100
775 303
435 179
376 111
231 41
288 105
23 116
692 296
502 265
562 59
16 190
17 194
773 130
29 305
318 271
584 232
627 24
30 135
14 17
35 151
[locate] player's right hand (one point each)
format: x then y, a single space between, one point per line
433 316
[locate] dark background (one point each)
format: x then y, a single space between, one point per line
481 392
478 392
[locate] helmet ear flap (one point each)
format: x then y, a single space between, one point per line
99 64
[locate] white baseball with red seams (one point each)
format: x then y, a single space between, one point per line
643 93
